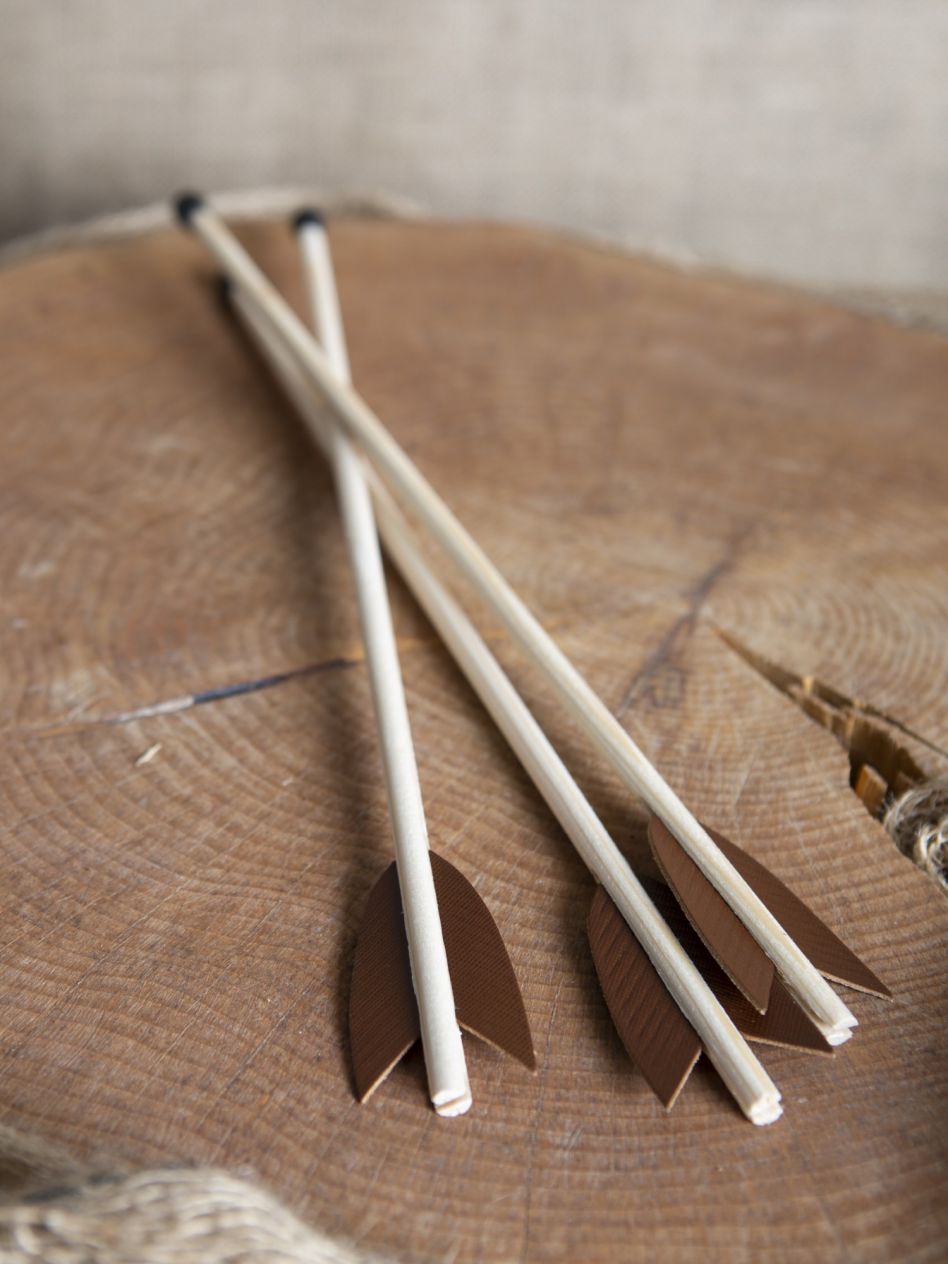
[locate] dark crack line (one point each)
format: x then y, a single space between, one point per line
268 682
184 702
235 690
656 660
697 598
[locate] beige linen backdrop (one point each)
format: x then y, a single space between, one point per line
802 139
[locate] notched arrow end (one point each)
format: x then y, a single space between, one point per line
785 1023
813 937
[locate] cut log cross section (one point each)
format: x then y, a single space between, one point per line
659 461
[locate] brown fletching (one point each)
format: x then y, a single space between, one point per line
383 1013
487 996
814 938
784 1023
721 930
656 1035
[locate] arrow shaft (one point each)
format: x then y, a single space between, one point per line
448 1083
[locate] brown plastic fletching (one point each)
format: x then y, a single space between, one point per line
785 1023
657 1036
487 996
814 938
383 1013
721 930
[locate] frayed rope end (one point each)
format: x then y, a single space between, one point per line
918 822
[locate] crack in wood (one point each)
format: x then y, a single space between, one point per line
218 693
696 598
235 690
277 678
881 768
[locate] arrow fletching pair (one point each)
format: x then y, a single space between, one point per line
655 1033
383 1013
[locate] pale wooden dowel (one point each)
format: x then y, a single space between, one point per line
805 982
448 1084
740 1070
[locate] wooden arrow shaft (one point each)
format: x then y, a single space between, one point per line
448 1083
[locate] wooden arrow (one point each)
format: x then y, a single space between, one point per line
386 1004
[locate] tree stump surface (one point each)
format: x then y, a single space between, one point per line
703 487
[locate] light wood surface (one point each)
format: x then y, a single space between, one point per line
710 478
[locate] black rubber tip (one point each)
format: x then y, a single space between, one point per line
308 215
225 291
185 204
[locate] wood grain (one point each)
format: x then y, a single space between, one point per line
657 461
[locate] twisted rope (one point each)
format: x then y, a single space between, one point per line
60 1211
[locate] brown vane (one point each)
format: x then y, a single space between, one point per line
656 1035
383 1013
487 996
814 938
784 1023
721 930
